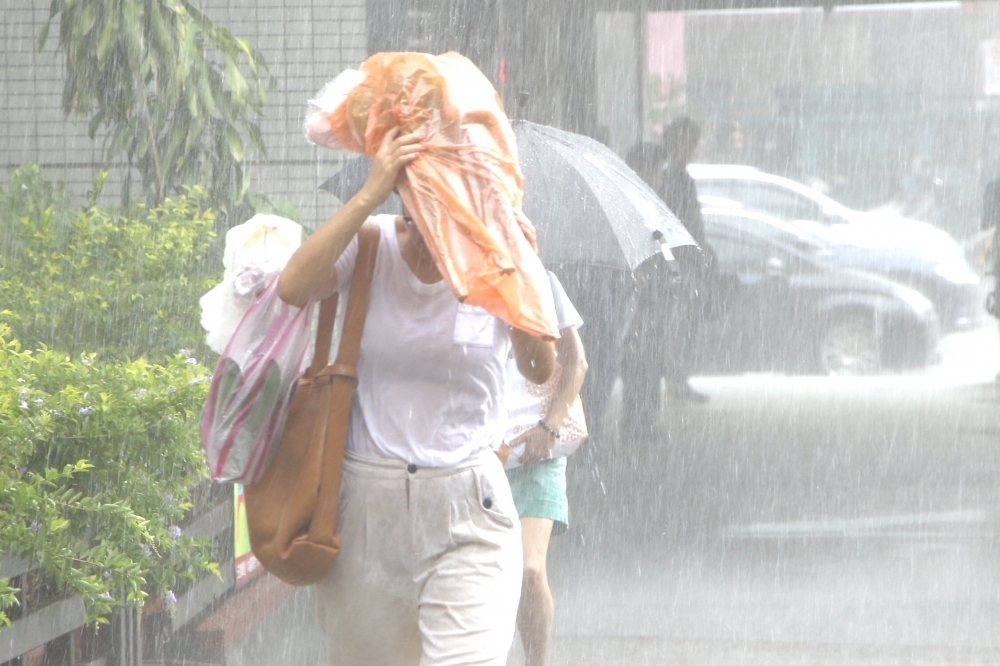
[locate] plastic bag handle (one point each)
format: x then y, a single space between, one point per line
357 308
324 334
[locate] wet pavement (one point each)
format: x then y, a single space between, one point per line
788 521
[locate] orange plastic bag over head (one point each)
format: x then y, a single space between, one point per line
464 192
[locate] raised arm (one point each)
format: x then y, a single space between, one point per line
539 441
573 360
310 272
536 358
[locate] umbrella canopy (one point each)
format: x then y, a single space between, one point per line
587 205
351 178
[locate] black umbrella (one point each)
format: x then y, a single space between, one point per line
587 205
349 180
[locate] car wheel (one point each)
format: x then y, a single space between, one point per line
850 346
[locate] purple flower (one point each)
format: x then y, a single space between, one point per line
35 526
168 497
169 599
140 393
106 575
171 390
146 551
85 411
174 532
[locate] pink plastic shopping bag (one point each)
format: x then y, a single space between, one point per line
247 402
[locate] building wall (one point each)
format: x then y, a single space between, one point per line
760 52
858 99
306 43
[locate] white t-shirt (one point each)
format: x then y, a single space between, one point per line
431 370
522 402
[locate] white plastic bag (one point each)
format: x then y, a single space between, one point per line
255 253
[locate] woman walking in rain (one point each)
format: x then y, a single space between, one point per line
539 485
430 567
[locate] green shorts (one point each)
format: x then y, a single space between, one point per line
540 492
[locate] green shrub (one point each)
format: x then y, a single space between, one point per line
89 279
97 462
99 448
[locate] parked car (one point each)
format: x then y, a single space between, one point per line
913 253
783 306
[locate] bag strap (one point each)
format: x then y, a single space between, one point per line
324 334
357 309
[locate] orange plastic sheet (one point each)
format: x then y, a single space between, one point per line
464 192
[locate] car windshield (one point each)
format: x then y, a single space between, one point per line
751 225
780 197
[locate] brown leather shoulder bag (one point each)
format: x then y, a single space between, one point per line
292 509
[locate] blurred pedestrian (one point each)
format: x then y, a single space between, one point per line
689 297
730 143
991 222
539 485
645 359
605 298
646 159
645 348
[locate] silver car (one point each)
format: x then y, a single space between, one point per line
913 253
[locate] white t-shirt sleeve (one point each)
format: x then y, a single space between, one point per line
566 314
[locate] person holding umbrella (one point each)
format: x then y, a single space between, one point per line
430 566
688 298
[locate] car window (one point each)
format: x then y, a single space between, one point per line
740 255
764 197
746 255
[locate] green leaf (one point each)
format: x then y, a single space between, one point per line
205 91
95 123
43 36
122 137
105 41
192 103
161 37
87 18
251 60
237 84
69 95
194 132
132 35
253 131
235 144
58 524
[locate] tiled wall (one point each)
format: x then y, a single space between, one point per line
306 43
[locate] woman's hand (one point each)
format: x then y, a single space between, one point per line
538 445
394 153
309 272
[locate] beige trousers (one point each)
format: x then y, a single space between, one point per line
430 570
